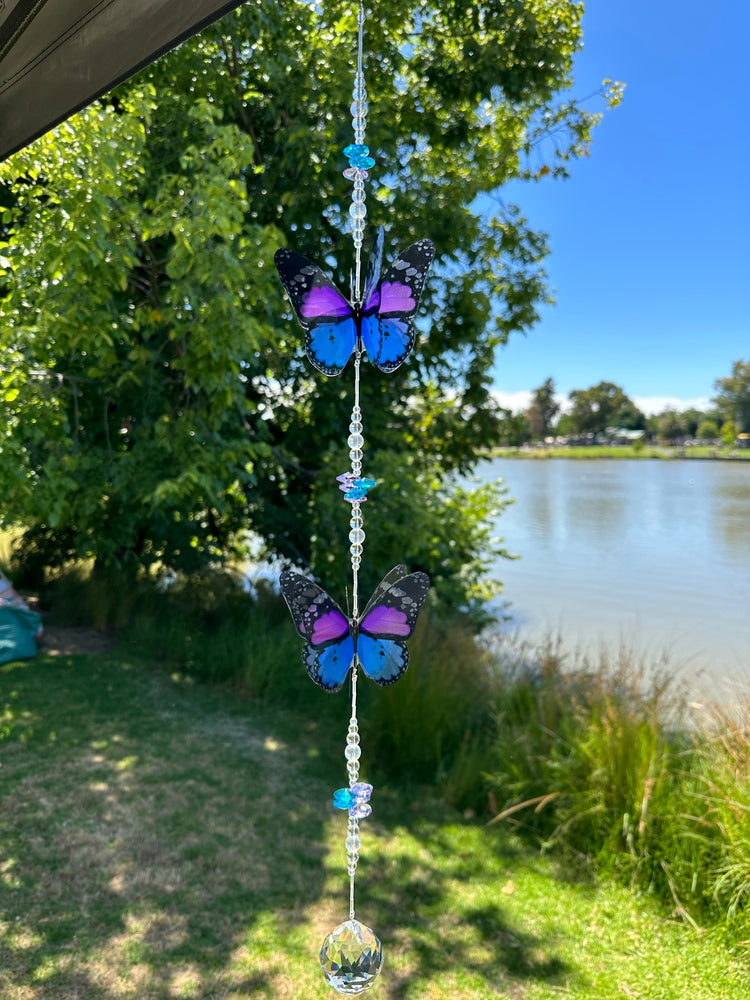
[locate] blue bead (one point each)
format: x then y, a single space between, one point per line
355 494
342 798
362 162
355 149
364 484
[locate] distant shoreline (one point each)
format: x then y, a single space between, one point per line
597 451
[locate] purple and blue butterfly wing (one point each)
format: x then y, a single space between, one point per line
387 622
386 328
329 647
323 312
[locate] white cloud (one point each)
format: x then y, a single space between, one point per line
657 404
520 401
515 401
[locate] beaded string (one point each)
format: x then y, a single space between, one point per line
356 492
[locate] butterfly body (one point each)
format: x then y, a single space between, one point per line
381 322
376 638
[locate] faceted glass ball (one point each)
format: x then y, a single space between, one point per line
351 958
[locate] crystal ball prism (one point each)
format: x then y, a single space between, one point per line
351 958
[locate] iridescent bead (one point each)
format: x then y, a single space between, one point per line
351 173
351 958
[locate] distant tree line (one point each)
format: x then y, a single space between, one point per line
606 407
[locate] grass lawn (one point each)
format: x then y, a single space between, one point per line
163 840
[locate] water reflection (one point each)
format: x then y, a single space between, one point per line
731 522
654 552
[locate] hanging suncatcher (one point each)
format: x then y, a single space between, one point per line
376 323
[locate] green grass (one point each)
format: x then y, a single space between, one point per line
623 451
165 839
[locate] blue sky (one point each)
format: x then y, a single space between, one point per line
650 237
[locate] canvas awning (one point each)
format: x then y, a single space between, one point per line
58 55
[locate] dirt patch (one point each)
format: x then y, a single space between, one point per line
59 640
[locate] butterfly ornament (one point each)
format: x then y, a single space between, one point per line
377 638
381 323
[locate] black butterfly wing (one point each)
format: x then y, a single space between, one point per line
329 646
325 315
386 329
387 621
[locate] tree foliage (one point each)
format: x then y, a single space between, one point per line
603 405
543 410
733 396
156 399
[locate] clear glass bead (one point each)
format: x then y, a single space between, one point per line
352 752
355 551
353 768
355 427
355 455
359 107
353 844
357 210
355 441
356 536
351 958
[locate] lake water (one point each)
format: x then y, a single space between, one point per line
653 555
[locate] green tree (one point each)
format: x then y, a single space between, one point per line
728 432
543 410
692 419
707 430
513 429
733 396
603 405
671 425
157 403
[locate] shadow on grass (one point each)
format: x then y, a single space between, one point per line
441 915
145 831
159 840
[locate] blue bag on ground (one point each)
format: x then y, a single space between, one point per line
20 627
